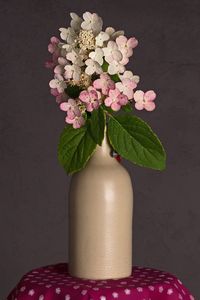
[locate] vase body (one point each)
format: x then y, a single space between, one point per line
100 218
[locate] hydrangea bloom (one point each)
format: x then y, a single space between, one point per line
89 65
92 67
104 83
74 115
126 86
92 22
145 100
115 100
91 98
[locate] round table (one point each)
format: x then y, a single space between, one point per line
54 283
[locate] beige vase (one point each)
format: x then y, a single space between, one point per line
100 218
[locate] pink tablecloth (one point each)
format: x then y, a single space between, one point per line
55 283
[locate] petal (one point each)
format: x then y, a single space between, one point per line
115 106
64 106
150 95
53 83
116 55
149 105
89 70
108 101
84 96
121 41
132 42
138 96
139 105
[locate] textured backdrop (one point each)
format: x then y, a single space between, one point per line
33 187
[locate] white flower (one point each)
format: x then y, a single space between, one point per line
92 22
97 56
72 72
92 67
129 75
41 297
75 58
112 33
67 297
112 52
115 67
68 48
75 22
68 35
101 38
58 83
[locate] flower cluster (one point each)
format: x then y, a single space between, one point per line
89 69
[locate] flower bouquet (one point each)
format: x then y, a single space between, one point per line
96 91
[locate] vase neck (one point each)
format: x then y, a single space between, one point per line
103 152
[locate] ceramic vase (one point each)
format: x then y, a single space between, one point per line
100 218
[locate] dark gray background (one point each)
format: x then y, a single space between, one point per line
33 187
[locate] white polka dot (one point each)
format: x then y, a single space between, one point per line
151 288
184 293
67 297
169 291
31 292
41 297
84 292
58 290
179 281
76 287
48 285
115 295
180 297
102 297
191 297
95 288
160 289
127 291
22 289
139 289
123 282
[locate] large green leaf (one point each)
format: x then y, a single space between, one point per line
96 125
134 140
75 148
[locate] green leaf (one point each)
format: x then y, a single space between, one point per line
105 66
127 107
75 148
96 125
73 91
134 140
115 77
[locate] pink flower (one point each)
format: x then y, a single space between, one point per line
144 100
55 51
116 100
126 47
53 46
126 86
74 115
104 83
91 97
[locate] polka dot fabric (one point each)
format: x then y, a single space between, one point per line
55 283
